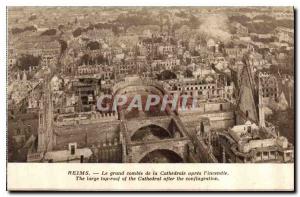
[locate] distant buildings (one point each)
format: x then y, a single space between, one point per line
284 34
249 143
234 82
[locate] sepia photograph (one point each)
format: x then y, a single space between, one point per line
158 84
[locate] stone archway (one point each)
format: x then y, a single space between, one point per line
156 86
150 132
161 156
167 75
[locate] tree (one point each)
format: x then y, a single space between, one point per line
60 27
232 30
101 60
77 32
49 32
26 61
85 59
93 45
63 45
115 30
188 73
166 75
20 30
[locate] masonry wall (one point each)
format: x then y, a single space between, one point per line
134 124
86 135
218 120
139 151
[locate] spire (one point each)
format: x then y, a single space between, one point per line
260 104
18 76
24 76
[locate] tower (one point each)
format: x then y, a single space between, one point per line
45 129
260 103
248 97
